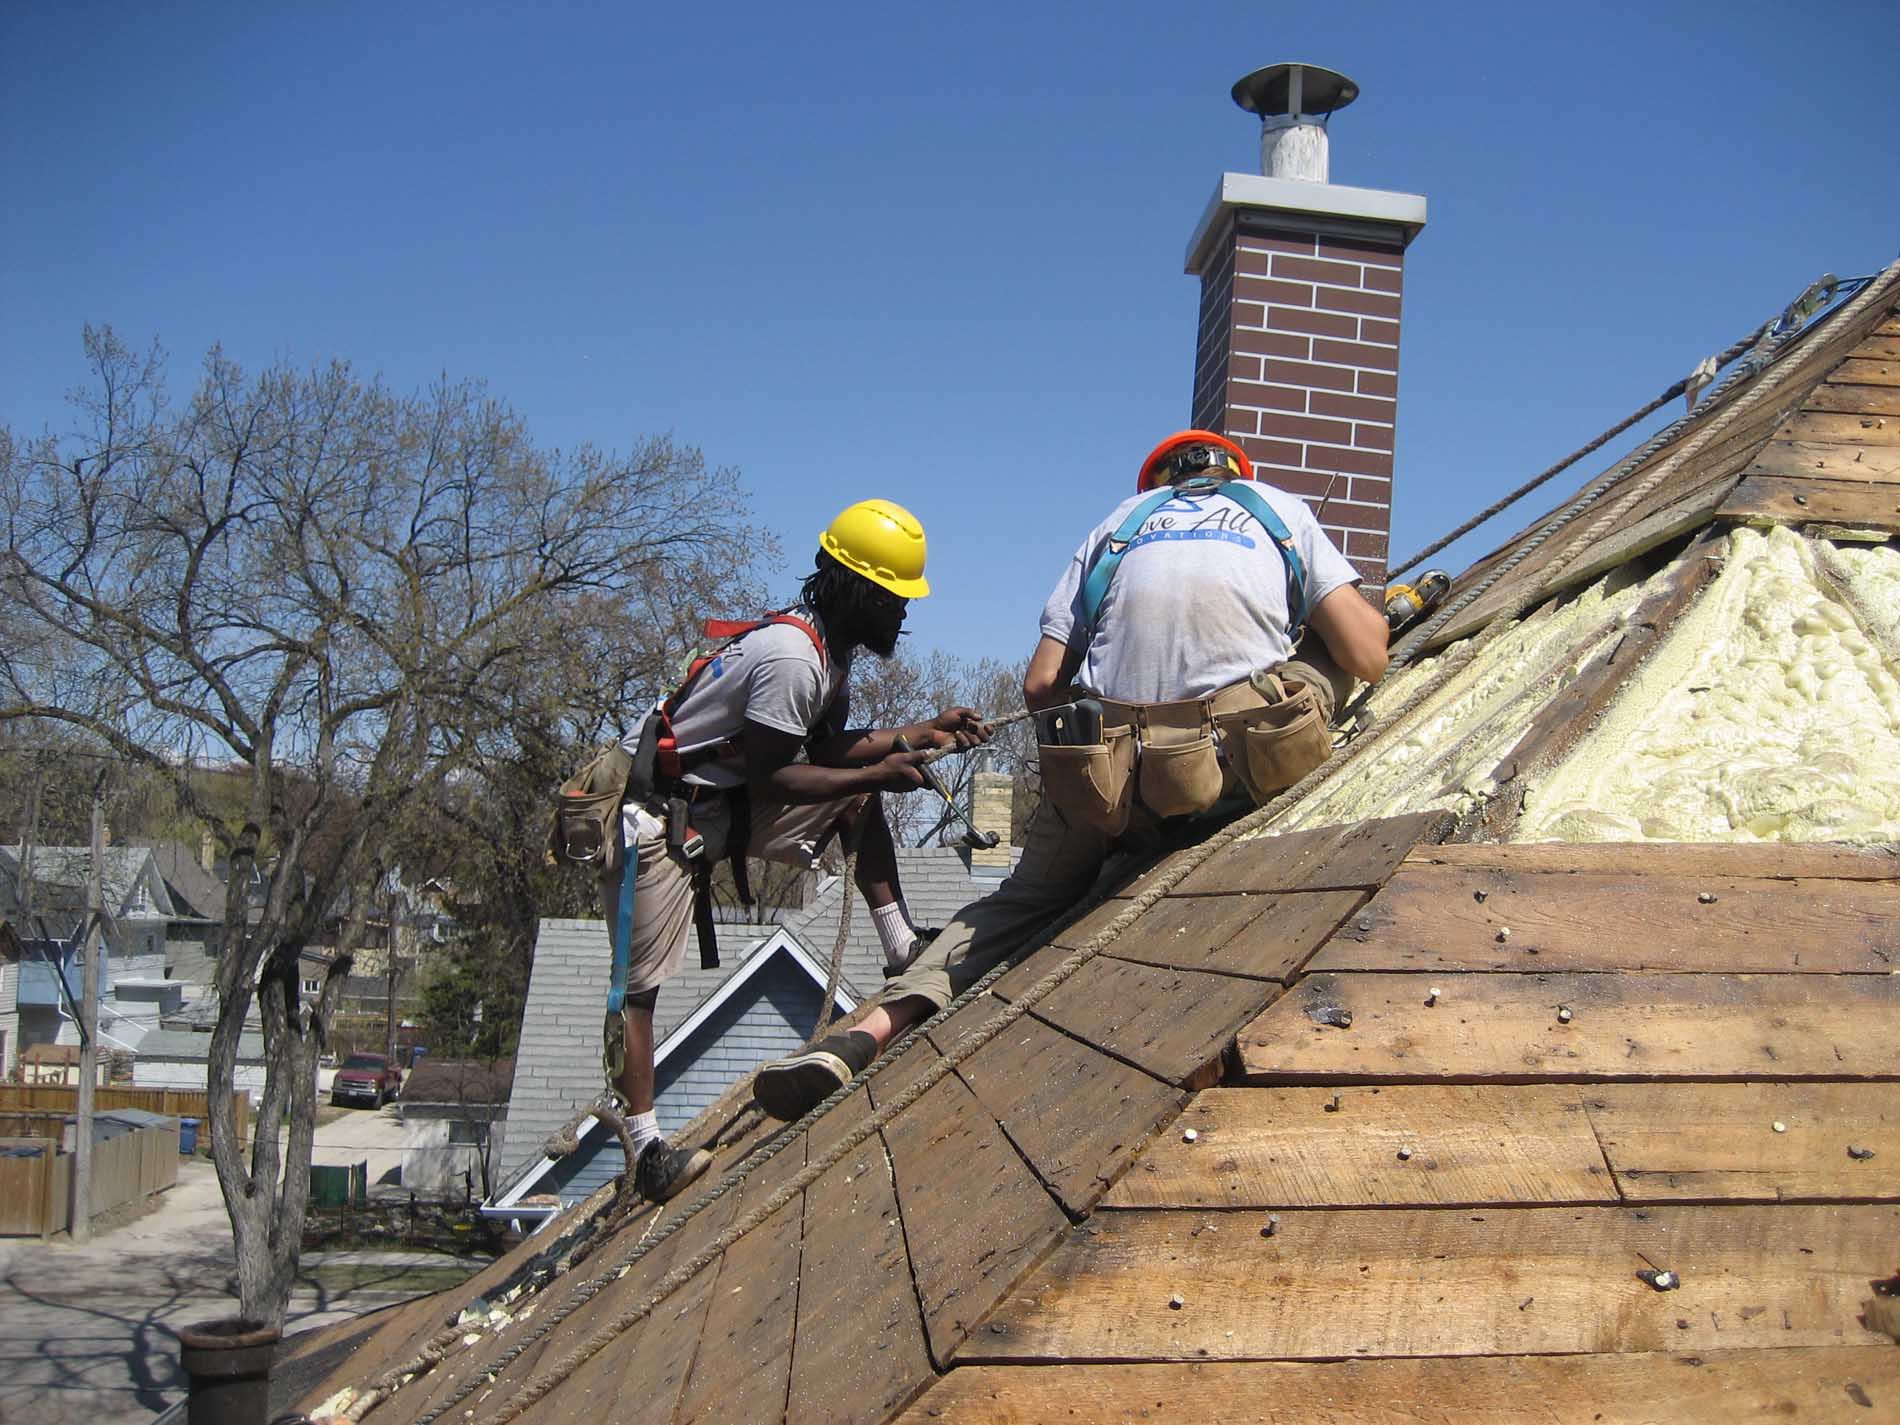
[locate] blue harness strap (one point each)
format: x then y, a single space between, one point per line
623 922
1241 492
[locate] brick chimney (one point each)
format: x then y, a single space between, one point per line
992 799
1298 353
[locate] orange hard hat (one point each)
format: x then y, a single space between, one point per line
1163 462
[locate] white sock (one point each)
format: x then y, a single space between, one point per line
894 931
643 1128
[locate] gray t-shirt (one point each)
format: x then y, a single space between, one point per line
1199 600
773 675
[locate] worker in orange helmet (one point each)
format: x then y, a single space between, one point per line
751 756
1192 658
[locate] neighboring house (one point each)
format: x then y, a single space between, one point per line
134 1005
710 1027
455 1120
180 1059
557 1060
193 939
139 902
10 953
140 905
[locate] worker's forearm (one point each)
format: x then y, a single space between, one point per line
801 783
1037 696
861 746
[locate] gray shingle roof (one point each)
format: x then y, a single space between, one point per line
189 1044
557 1061
558 1057
61 875
197 891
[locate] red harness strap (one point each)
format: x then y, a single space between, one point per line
731 630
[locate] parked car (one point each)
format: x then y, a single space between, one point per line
365 1078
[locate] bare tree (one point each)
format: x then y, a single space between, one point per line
902 689
349 596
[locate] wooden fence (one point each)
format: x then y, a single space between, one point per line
176 1103
36 1179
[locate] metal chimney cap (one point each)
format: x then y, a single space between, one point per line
1268 91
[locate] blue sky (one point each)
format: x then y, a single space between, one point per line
932 253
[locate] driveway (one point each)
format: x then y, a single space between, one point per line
88 1333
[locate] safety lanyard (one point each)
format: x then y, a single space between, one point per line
623 920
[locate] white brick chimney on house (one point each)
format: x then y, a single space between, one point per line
1298 353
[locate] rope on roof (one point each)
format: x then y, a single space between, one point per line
1773 337
1783 327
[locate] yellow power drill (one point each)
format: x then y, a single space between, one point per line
1406 604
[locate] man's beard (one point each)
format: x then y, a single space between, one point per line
883 641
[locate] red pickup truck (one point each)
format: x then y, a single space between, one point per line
366 1078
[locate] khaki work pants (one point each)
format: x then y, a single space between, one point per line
1060 861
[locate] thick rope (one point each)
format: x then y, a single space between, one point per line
848 885
1551 472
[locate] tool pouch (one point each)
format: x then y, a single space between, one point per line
1180 767
1093 783
1271 747
586 829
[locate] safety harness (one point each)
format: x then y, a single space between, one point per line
656 783
1102 572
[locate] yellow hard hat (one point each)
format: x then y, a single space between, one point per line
882 541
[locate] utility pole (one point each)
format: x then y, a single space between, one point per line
389 978
89 1018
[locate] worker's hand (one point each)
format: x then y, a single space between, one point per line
902 771
955 730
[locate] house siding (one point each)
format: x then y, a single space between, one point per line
769 1016
9 1018
433 1167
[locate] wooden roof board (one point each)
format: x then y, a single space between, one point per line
1677 1141
1765 1387
1467 1144
974 1215
1493 1144
1513 1028
858 1351
1175 1024
944 1243
1333 1283
1445 918
1265 937
1078 1118
1764 860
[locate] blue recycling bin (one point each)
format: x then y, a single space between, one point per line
187 1137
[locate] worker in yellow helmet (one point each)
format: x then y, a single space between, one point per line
751 755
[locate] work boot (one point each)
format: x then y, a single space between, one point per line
664 1171
790 1088
914 954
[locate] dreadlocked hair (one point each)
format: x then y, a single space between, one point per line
843 599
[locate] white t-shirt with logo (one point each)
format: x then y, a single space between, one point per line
774 676
1199 600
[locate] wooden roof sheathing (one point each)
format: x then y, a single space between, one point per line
1357 1121
1663 1066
